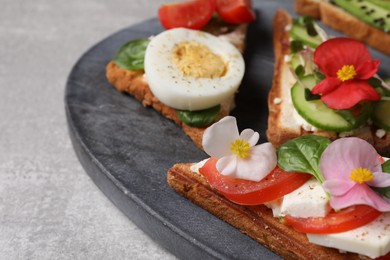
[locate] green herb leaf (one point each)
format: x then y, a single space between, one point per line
307 22
296 46
347 115
375 82
131 55
386 166
318 76
310 96
299 71
385 191
358 114
303 154
200 118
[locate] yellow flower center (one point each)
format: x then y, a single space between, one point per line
361 175
347 72
240 148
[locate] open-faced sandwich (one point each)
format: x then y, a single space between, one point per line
310 199
191 71
325 86
364 20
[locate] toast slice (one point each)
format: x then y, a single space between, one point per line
255 221
283 124
134 83
340 20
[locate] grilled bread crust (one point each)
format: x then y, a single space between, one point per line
342 21
255 221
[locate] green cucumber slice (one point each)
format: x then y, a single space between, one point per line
372 12
381 114
316 112
295 60
299 33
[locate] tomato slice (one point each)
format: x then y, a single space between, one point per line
335 222
193 14
385 257
277 184
236 11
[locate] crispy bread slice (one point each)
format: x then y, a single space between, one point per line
282 122
342 21
134 83
255 221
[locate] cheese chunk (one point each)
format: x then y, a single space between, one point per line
309 200
372 240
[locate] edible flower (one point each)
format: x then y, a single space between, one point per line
351 166
238 155
347 65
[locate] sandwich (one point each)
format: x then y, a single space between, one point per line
290 199
364 20
191 71
316 91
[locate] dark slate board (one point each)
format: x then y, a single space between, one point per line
127 148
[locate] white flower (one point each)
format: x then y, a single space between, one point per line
238 155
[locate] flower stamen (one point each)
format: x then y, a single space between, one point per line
347 72
361 175
240 148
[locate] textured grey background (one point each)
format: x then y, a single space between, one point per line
49 207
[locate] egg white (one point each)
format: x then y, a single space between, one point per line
175 89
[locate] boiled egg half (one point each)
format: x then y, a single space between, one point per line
192 70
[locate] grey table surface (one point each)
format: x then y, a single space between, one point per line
49 207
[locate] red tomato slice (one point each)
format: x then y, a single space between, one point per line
335 222
274 186
193 14
236 11
385 257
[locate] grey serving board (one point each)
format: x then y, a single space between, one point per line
127 149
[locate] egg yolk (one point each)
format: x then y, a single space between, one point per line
197 60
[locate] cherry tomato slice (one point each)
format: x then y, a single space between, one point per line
335 222
236 11
193 14
274 186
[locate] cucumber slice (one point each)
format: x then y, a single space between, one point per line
295 60
381 114
299 33
316 112
372 12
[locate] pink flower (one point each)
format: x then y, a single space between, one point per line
347 65
350 166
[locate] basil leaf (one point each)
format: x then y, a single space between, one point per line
303 154
200 118
131 55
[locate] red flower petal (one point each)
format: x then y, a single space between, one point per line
333 54
367 69
326 85
349 94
